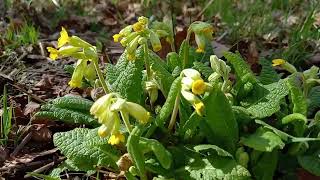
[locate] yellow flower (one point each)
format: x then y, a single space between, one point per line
198 87
200 50
199 107
78 74
143 20
64 38
103 131
138 26
278 62
54 53
155 41
201 42
116 37
116 138
138 112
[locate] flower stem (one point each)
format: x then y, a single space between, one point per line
126 121
186 49
174 113
146 60
100 75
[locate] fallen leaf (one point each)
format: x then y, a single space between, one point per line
31 108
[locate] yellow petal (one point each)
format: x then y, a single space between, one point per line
198 87
54 53
278 62
138 27
116 37
116 138
64 37
199 107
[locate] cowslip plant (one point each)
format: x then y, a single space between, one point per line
204 126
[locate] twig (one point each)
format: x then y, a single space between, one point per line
43 54
205 8
20 88
47 166
21 145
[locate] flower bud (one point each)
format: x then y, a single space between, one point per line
90 72
78 74
201 42
155 41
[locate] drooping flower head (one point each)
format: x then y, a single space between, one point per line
203 32
139 33
107 109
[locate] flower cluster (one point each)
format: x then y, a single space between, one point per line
203 32
107 108
83 51
192 86
137 34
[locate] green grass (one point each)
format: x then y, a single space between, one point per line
252 20
6 118
25 35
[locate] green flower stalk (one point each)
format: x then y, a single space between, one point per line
284 64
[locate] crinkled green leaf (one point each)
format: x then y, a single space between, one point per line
167 108
269 104
221 125
86 149
298 99
73 102
240 67
310 162
263 140
313 100
128 82
162 75
205 70
284 136
66 115
217 149
196 166
268 74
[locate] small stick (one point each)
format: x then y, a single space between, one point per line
21 145
205 8
45 167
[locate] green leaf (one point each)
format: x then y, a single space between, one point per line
310 162
240 67
73 102
268 74
313 100
284 136
205 70
136 152
86 149
162 75
217 149
270 103
163 155
265 168
167 108
298 99
66 115
220 121
263 140
191 165
173 61
128 82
